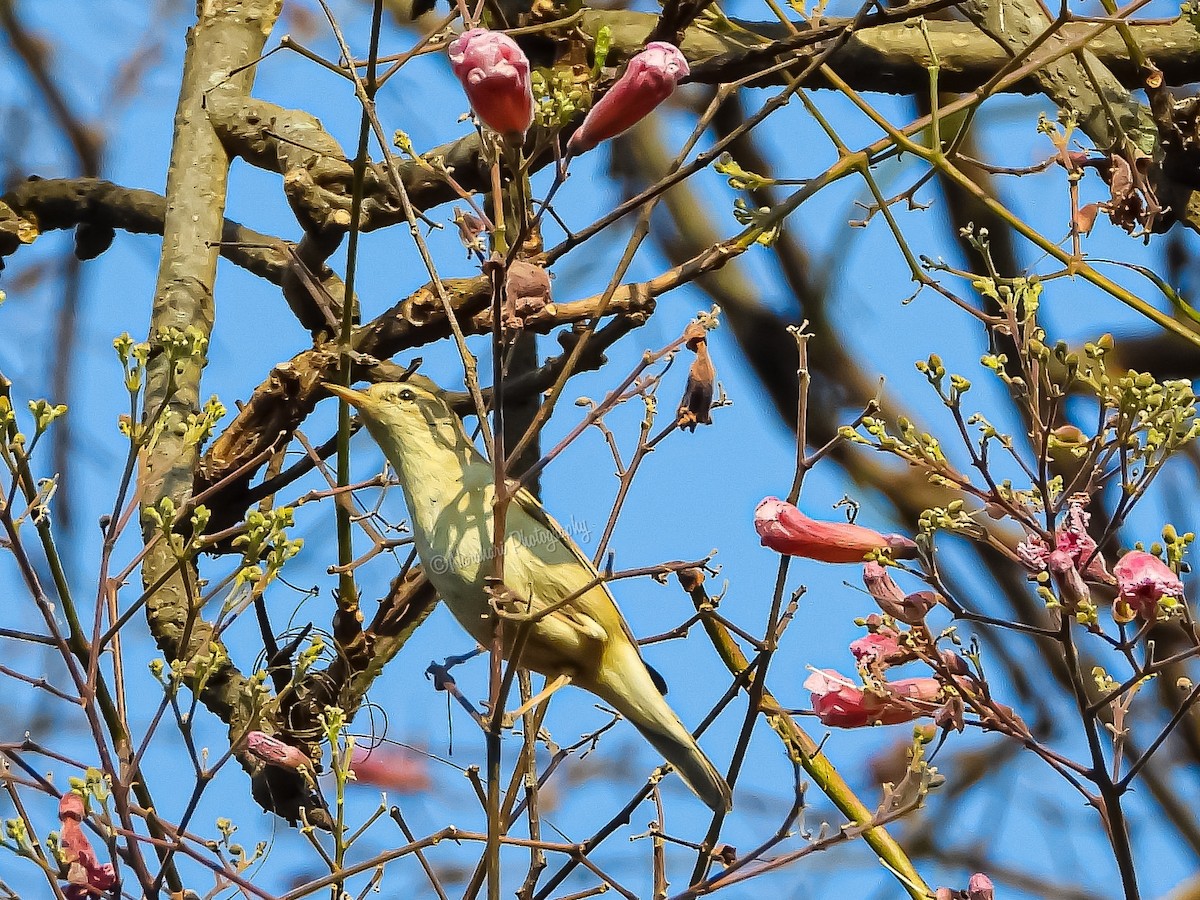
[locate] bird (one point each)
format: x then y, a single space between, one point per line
449 489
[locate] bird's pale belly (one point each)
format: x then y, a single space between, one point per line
458 562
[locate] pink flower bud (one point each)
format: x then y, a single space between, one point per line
494 72
980 887
840 703
275 752
955 664
785 529
648 80
1069 580
910 609
1142 580
70 807
390 768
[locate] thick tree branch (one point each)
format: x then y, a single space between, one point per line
226 38
889 58
39 205
892 58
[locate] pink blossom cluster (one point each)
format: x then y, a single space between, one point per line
1141 578
837 700
1073 546
842 702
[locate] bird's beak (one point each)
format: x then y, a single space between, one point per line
355 398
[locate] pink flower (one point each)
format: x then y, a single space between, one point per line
275 752
910 609
880 646
390 768
86 875
785 529
1074 560
494 72
840 703
1070 538
648 80
980 887
1142 580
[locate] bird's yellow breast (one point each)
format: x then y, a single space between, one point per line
454 541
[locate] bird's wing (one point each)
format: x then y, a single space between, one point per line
569 572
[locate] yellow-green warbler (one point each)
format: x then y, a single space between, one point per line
450 491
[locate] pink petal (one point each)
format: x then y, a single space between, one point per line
835 700
878 646
840 704
923 689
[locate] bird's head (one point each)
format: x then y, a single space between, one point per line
406 417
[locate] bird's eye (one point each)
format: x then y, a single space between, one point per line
407 395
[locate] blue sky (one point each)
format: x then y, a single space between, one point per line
697 492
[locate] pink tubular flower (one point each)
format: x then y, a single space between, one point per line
389 768
86 876
275 752
785 529
840 703
648 80
494 72
1142 580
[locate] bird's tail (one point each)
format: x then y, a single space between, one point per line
632 692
